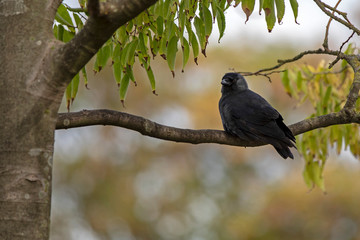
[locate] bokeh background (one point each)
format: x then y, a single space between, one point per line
113 183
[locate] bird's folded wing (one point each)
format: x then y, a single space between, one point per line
252 108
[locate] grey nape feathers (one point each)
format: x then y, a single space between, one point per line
248 116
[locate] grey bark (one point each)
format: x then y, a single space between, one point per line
27 119
35 69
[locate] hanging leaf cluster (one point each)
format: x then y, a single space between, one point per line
326 89
273 9
67 24
162 30
165 29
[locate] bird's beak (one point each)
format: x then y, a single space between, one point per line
225 82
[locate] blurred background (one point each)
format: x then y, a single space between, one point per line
113 183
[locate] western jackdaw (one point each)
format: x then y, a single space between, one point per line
248 116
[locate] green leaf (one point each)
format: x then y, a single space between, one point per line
60 32
171 53
84 74
348 134
122 35
151 77
326 98
141 45
124 84
102 57
166 8
78 21
158 6
171 30
207 19
280 9
220 18
339 141
163 48
118 72
318 179
248 7
116 53
160 26
286 82
350 49
214 6
129 27
186 53
75 86
154 46
62 21
237 2
192 9
181 19
130 54
308 175
62 16
294 5
129 71
82 3
200 32
261 3
194 43
299 80
55 31
269 9
67 36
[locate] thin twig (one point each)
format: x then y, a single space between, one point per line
267 75
342 45
345 22
261 72
343 14
353 95
347 40
326 39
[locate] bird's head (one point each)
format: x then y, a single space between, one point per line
234 81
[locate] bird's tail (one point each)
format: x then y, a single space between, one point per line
284 151
286 130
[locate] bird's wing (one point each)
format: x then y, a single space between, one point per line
253 116
252 108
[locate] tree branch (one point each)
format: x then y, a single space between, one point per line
290 60
326 39
345 22
104 19
153 129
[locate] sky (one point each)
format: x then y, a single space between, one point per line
309 31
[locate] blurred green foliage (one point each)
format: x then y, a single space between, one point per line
326 89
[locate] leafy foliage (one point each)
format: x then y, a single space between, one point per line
326 89
159 31
68 24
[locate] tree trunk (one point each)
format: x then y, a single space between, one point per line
28 109
35 69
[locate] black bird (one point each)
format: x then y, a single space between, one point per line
248 116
